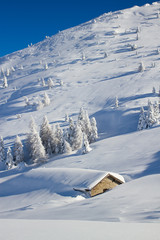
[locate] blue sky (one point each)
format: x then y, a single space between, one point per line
24 22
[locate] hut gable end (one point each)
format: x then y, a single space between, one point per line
107 183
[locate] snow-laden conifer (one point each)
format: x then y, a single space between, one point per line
142 120
36 148
69 135
7 72
50 83
77 139
94 131
18 153
43 82
59 138
5 83
116 102
26 101
153 90
46 66
46 99
156 112
66 118
39 105
86 147
141 67
47 136
66 147
150 117
9 159
2 150
105 55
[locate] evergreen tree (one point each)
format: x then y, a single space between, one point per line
39 105
66 147
70 132
50 83
81 119
26 101
43 82
47 136
156 112
36 149
46 99
8 72
150 118
86 148
59 138
142 120
116 102
2 150
5 83
18 151
94 131
77 138
9 159
153 90
141 67
66 118
46 66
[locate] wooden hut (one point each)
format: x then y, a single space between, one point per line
103 184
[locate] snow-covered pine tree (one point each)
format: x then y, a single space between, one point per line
60 139
61 83
66 147
66 118
83 56
39 105
13 69
46 99
85 147
43 82
116 102
77 139
94 131
153 90
9 159
142 120
105 55
141 67
87 125
150 118
47 137
18 154
46 66
50 83
5 83
81 119
2 150
69 134
26 101
7 72
36 148
156 112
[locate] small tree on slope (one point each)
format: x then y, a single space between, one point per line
18 151
142 120
46 99
94 131
47 136
9 159
2 150
85 148
37 151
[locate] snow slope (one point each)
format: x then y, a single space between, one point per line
46 191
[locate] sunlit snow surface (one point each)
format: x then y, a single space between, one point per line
46 191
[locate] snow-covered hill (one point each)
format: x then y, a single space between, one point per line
96 62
